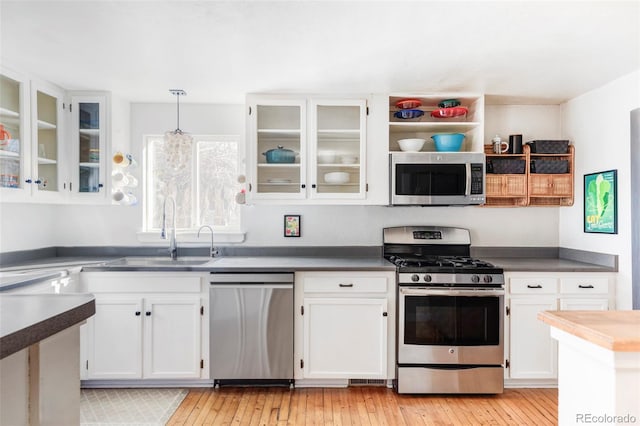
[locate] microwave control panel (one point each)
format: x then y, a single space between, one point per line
477 174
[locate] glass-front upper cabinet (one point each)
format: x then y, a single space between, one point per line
46 147
337 163
89 136
278 149
14 132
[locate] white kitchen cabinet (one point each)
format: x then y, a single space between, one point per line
114 338
425 126
89 135
325 135
48 178
345 338
146 326
533 351
530 351
15 146
31 150
345 326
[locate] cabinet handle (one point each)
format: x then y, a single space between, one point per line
534 286
137 313
148 313
585 286
345 285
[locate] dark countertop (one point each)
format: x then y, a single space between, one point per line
26 319
523 264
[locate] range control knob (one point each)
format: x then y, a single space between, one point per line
488 278
415 278
475 279
427 278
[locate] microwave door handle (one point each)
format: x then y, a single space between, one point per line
467 190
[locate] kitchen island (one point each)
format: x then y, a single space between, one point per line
39 357
598 365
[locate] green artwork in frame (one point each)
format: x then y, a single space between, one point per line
601 202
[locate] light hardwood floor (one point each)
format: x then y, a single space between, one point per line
363 406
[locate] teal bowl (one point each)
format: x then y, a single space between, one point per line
448 141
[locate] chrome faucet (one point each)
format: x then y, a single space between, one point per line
212 250
173 245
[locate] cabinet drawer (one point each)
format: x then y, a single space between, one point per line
533 285
585 285
346 284
127 282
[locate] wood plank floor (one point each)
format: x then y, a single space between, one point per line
363 406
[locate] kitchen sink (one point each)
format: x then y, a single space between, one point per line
160 261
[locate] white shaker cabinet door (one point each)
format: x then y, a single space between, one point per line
172 337
345 338
115 338
533 351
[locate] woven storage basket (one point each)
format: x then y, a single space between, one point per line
549 166
549 146
506 166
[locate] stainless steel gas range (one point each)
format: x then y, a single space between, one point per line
450 313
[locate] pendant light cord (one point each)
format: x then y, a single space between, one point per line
178 93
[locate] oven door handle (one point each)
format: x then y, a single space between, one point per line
467 190
449 292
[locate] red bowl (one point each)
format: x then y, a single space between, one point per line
449 112
408 103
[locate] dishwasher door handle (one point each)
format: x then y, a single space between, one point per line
244 278
250 285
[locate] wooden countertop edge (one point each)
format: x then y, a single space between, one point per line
587 332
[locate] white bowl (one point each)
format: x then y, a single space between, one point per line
348 159
336 177
411 145
326 157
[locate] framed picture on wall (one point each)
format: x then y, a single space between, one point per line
601 202
291 225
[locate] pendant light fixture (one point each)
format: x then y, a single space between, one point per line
177 142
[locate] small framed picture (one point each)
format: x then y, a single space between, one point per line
601 202
291 225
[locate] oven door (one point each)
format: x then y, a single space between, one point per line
446 326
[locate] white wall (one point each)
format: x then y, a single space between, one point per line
598 123
82 225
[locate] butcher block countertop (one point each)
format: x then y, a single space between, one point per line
617 331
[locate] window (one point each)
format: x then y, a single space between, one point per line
201 177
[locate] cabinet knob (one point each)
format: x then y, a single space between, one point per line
38 182
313 186
100 185
28 181
138 313
303 186
148 313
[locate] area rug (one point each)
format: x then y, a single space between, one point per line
105 407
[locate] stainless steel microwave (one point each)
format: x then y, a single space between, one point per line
436 178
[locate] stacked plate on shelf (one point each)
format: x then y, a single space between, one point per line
408 109
449 108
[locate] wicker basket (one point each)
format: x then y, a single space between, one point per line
549 166
506 166
549 146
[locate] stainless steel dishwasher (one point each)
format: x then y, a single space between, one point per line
251 328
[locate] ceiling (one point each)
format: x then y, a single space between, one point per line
218 51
